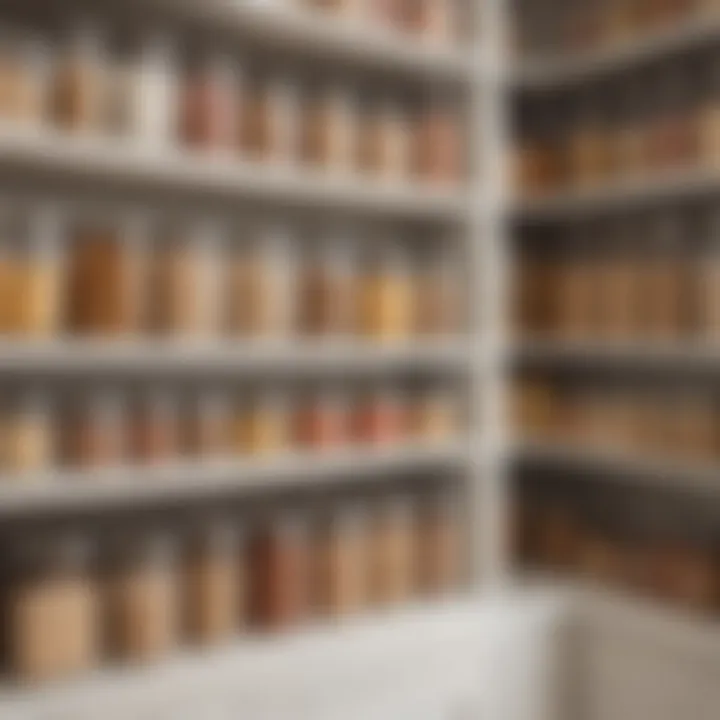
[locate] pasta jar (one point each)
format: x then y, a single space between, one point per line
384 142
327 128
379 417
279 573
79 82
142 604
154 435
52 609
94 431
385 294
27 442
326 288
392 551
321 420
260 424
23 79
439 543
341 562
268 119
208 104
212 582
208 425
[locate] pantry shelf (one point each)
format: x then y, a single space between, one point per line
676 186
66 491
304 33
81 358
129 165
675 355
623 467
552 73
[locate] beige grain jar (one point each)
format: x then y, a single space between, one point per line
154 431
142 602
438 294
23 78
260 424
384 141
434 414
207 428
27 434
440 539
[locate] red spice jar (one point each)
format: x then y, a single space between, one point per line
154 425
208 104
380 417
279 573
321 419
438 151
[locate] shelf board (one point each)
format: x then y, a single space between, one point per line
318 35
674 186
101 163
623 467
556 73
700 355
82 358
70 490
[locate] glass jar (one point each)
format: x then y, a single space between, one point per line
279 573
94 430
379 416
208 425
327 128
385 293
383 148
590 149
79 82
392 549
340 559
439 153
631 127
212 582
142 604
694 425
23 78
268 119
260 424
710 110
533 407
208 104
27 438
52 609
383 13
321 419
154 426
708 281
439 293
434 415
439 543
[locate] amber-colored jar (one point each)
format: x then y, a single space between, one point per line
79 83
438 152
439 543
213 582
207 428
693 425
154 436
326 289
433 20
577 298
384 145
26 445
52 609
23 78
385 293
94 430
208 104
340 563
438 294
533 408
260 284
104 267
710 110
707 304
142 603
558 538
630 128
260 424
321 419
434 415
327 129
380 417
268 119
280 573
393 552
590 160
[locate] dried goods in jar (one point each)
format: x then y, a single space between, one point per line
321 419
23 78
260 424
384 142
27 444
154 427
438 152
439 543
379 416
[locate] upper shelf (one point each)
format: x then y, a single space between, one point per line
557 72
620 195
125 164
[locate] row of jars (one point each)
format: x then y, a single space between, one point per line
72 602
440 22
109 277
673 422
551 27
215 103
609 547
657 279
109 426
657 120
